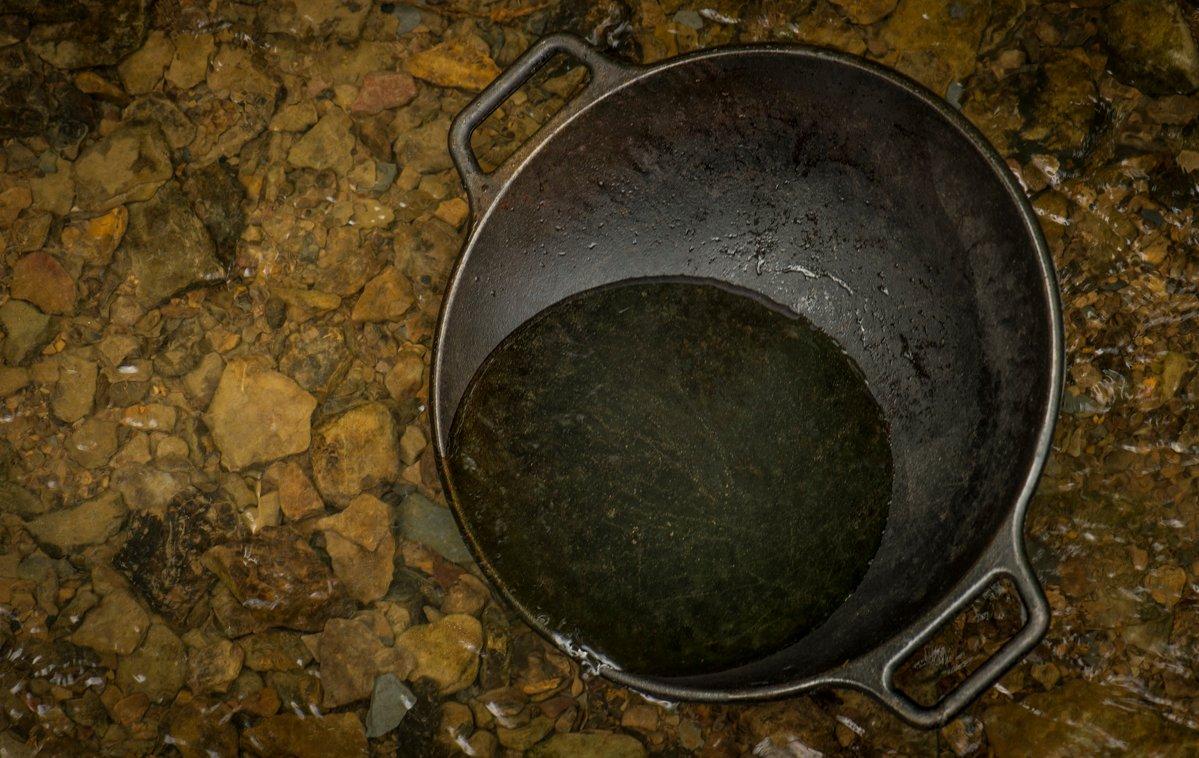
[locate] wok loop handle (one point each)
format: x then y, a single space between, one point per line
1004 561
605 72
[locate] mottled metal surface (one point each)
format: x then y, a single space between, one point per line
679 477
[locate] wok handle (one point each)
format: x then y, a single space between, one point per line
605 72
876 673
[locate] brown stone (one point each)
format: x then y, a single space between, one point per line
116 625
351 657
384 90
40 279
462 63
445 651
387 297
93 240
354 452
129 164
339 734
258 415
298 499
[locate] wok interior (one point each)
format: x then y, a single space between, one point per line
834 192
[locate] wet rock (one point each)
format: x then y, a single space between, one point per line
26 330
235 71
40 279
316 19
424 148
161 558
338 734
865 11
12 379
366 571
314 357
89 523
174 123
345 263
327 145
168 247
298 499
142 70
390 702
1152 47
275 651
1064 107
212 662
130 164
464 63
189 66
351 658
412 444
258 415
453 211
445 651
37 100
29 232
144 488
387 297
355 451
152 417
597 744
199 731
295 117
406 376
92 443
384 90
524 737
430 524
101 35
157 668
278 580
216 197
1053 717
116 625
93 240
935 43
75 389
1166 584
201 382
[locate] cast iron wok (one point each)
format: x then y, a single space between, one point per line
864 203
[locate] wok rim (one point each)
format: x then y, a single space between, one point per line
1008 535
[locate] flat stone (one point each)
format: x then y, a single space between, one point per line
387 297
258 415
316 19
298 499
92 443
235 70
355 451
934 42
142 70
275 651
345 264
93 240
524 737
157 668
216 196
454 211
424 148
26 331
351 658
464 63
384 90
596 744
445 651
212 662
75 389
116 625
89 523
432 525
40 279
189 66
168 247
279 581
339 734
197 730
366 574
1152 47
162 112
390 702
1166 584
327 145
406 375
365 522
294 117
13 379
130 164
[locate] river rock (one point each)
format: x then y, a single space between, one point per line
865 12
355 451
278 580
189 66
366 574
162 112
351 657
89 523
445 651
596 744
464 63
45 103
384 90
339 734
276 650
406 375
432 525
93 240
169 249
348 260
424 148
92 443
142 70
316 19
26 330
198 730
522 738
258 415
130 164
327 145
387 297
1152 47
212 662
75 389
116 625
40 279
158 668
13 379
314 356
390 702
934 42
97 34
216 196
298 499
365 522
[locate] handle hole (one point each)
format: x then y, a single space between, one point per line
963 644
528 109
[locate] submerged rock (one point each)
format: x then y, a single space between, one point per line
26 330
93 240
390 702
37 100
354 452
462 63
934 42
351 658
216 197
40 279
445 651
116 625
168 247
88 523
103 34
327 145
387 297
597 744
158 668
432 525
1152 47
258 415
130 164
339 734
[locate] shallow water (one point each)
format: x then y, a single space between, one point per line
675 476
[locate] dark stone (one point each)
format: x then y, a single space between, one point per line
94 34
161 558
36 99
607 24
216 196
